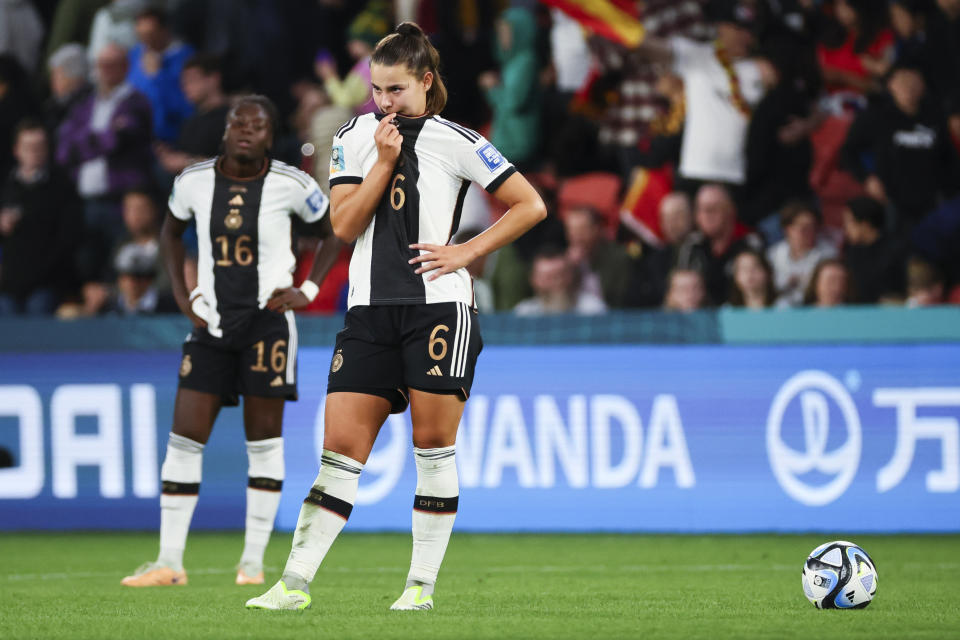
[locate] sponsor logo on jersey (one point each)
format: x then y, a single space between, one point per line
315 201
491 157
336 159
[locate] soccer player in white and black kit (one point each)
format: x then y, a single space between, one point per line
398 179
244 340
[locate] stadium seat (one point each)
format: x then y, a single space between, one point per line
598 190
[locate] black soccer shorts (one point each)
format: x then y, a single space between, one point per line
385 350
260 360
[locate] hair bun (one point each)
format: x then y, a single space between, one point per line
410 29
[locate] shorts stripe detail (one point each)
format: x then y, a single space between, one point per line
456 342
326 501
291 348
431 504
462 368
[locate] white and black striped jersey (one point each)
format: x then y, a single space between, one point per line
422 203
244 234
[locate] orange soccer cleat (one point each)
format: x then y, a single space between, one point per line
152 574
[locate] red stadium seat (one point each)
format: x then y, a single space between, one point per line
598 190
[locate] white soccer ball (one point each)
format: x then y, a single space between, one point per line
839 575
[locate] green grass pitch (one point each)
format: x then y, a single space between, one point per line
491 586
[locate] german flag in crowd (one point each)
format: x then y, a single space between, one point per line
616 20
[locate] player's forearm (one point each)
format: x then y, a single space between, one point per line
174 254
324 258
351 215
520 218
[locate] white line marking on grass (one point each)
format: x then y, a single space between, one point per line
627 568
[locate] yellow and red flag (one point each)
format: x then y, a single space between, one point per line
616 20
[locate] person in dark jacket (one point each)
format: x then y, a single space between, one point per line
39 221
875 259
900 148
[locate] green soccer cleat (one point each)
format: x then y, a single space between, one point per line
278 598
412 599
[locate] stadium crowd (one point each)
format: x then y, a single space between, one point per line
764 153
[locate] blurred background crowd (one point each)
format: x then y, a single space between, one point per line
752 153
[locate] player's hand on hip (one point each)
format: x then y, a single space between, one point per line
194 308
282 300
441 259
388 140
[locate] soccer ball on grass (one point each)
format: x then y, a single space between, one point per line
839 575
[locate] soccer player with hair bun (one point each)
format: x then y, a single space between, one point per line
398 179
244 341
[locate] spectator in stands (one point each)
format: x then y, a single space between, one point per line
651 270
627 122
778 149
603 266
69 83
71 23
513 94
142 223
156 63
794 258
114 24
926 285
874 258
556 288
914 164
722 88
685 291
717 241
943 32
15 105
752 283
105 144
353 91
857 50
21 33
202 132
829 286
936 239
39 223
909 19
136 294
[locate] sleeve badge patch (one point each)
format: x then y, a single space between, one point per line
315 201
336 159
491 157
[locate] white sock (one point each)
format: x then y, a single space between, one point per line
181 472
434 510
266 472
322 516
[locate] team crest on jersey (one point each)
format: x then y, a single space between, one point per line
315 201
233 220
491 157
337 362
186 366
336 159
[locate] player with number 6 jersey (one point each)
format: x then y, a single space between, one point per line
398 180
244 341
